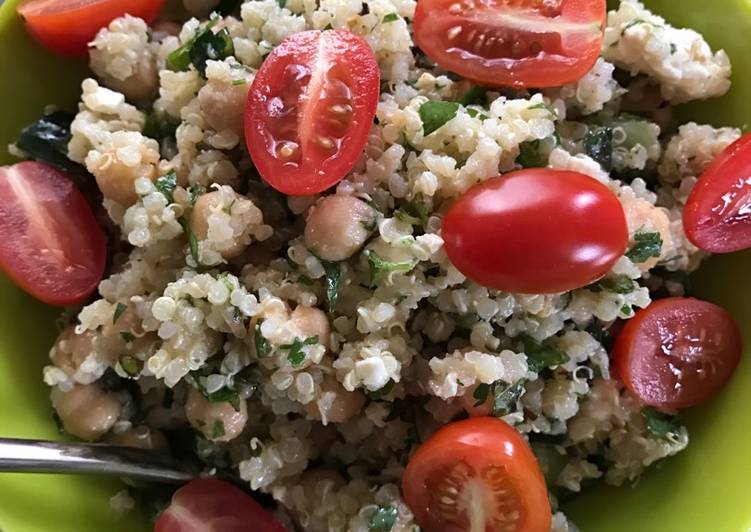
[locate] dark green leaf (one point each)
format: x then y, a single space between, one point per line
530 155
620 284
192 240
282 3
383 519
481 394
131 365
540 357
47 139
205 45
598 144
263 347
659 425
380 267
505 397
224 395
127 337
333 276
646 246
166 184
549 108
217 431
474 96
296 355
119 309
196 191
436 113
391 17
474 113
162 129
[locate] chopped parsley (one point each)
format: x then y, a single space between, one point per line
369 225
659 425
434 114
380 267
217 430
47 139
333 274
646 246
598 144
383 519
620 284
282 3
166 184
540 357
131 365
162 130
549 108
196 191
205 45
296 355
119 310
226 394
263 346
407 218
474 96
505 397
481 393
391 17
192 240
127 337
535 153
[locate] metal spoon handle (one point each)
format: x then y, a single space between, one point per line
38 456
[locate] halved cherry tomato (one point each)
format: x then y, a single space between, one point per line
524 43
678 352
717 215
536 231
212 505
68 26
476 474
310 109
52 245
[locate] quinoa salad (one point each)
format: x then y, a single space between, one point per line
304 346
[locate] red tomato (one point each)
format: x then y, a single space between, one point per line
476 474
717 216
68 26
678 352
211 505
536 231
310 109
524 43
52 246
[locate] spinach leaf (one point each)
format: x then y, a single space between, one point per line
435 114
620 284
296 355
598 144
333 276
383 519
646 246
166 184
659 425
540 357
47 139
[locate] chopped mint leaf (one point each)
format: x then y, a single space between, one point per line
474 96
333 272
646 246
380 267
435 114
481 394
131 365
620 284
119 310
540 357
127 337
217 431
659 425
391 17
598 144
296 355
166 184
383 519
263 347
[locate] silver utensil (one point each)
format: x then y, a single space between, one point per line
38 456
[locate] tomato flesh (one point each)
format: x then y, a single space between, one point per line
524 43
68 26
310 109
52 246
476 475
678 352
717 215
212 505
536 231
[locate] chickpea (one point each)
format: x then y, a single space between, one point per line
139 86
141 437
335 404
216 421
642 216
337 226
223 105
71 349
311 321
86 411
116 177
199 223
114 337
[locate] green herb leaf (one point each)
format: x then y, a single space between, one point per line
659 425
131 365
196 191
505 397
296 355
646 246
217 431
474 113
224 395
333 276
383 519
263 346
192 240
380 267
549 108
391 17
626 309
369 225
205 45
435 114
474 96
166 184
481 394
127 337
620 284
47 139
282 3
540 357
598 144
407 218
119 310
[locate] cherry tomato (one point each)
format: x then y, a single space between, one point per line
717 215
310 109
212 505
476 474
678 352
524 43
536 231
52 246
68 26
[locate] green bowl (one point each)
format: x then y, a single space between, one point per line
707 488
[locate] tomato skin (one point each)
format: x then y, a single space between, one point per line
647 361
558 46
310 109
489 447
68 26
536 231
717 215
52 247
212 505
